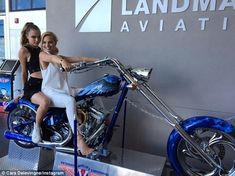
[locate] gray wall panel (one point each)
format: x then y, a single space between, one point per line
193 69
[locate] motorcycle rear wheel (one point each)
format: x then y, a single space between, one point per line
215 136
20 120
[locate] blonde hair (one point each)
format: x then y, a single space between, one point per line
27 27
51 34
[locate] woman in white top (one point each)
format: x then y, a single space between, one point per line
55 83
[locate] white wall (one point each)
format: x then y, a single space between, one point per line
38 17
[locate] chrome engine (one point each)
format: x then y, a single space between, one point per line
92 124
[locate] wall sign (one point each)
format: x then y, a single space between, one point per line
95 15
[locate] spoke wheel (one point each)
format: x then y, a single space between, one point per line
20 120
218 144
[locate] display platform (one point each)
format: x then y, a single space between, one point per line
19 158
119 162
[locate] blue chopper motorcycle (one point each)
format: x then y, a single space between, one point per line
201 145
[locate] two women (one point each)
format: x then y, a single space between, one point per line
53 82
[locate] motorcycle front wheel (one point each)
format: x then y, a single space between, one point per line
20 120
215 136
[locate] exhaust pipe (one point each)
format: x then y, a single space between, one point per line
19 137
25 138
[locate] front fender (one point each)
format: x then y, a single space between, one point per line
189 125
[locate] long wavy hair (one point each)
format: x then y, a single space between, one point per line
27 27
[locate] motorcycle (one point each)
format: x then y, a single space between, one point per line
201 145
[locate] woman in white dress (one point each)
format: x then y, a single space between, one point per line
55 83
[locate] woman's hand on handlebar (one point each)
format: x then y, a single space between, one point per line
66 66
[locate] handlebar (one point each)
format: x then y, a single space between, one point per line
91 65
111 62
85 65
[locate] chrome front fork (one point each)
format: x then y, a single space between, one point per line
174 120
169 115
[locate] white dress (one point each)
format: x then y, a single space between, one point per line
55 86
54 79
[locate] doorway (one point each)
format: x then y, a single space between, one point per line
2 39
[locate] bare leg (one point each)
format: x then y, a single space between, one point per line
82 146
43 102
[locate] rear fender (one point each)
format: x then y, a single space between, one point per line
9 105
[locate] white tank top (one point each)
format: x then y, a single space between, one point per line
54 79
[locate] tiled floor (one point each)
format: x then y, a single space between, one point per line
3 141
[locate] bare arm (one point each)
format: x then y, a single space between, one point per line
75 59
49 58
23 56
65 61
46 58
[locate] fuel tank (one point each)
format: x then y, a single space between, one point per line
108 85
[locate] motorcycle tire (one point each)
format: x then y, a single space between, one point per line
20 120
214 135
